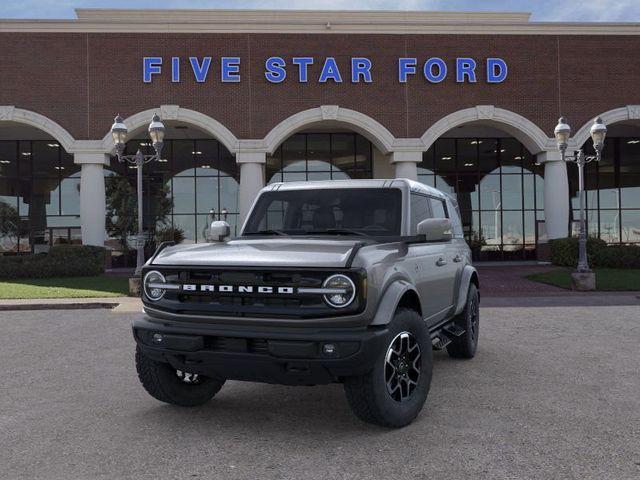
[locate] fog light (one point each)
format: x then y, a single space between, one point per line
329 348
157 338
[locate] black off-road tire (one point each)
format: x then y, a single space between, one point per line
162 382
466 345
368 395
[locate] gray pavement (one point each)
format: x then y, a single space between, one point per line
554 393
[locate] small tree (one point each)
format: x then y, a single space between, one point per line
9 221
122 208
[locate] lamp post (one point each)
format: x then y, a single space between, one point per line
562 133
156 133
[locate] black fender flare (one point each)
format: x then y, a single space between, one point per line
468 273
390 299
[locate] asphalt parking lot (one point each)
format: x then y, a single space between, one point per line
553 393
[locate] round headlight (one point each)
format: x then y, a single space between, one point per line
345 291
151 290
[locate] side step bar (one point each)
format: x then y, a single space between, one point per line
442 336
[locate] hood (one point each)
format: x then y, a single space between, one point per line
271 252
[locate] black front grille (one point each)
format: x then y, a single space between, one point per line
251 304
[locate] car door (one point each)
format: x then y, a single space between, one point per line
429 265
449 260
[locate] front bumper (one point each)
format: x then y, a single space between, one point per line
300 356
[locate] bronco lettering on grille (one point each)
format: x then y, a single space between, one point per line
265 289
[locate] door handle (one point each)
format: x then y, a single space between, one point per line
441 262
457 259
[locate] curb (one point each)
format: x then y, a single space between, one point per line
57 306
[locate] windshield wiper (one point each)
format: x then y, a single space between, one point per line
267 232
337 231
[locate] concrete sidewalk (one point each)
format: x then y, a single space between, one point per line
118 304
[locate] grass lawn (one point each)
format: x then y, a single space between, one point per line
607 279
73 287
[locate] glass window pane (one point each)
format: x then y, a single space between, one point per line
438 209
427 180
295 176
420 210
206 157
630 191
187 223
70 196
229 194
46 162
511 156
364 162
629 155
491 226
467 192
445 156
512 192
183 195
294 153
183 157
488 155
8 159
318 152
343 152
610 226
539 192
315 176
207 195
512 231
630 226
529 227
467 160
228 164
490 192
528 191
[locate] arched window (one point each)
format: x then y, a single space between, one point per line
499 189
321 156
39 196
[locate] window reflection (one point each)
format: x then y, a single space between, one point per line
612 188
500 192
39 196
320 156
200 179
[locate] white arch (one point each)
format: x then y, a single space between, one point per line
630 112
177 113
527 132
382 138
9 113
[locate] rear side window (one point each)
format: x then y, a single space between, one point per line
420 210
439 210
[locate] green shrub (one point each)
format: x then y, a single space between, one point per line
618 256
564 251
61 261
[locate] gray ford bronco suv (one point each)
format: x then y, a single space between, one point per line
352 281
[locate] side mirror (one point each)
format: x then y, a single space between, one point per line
219 231
435 229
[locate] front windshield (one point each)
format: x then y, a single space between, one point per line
339 211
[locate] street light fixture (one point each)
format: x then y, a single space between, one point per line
562 133
119 133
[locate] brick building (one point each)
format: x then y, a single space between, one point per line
466 102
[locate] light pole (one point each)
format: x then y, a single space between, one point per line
562 133
156 132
